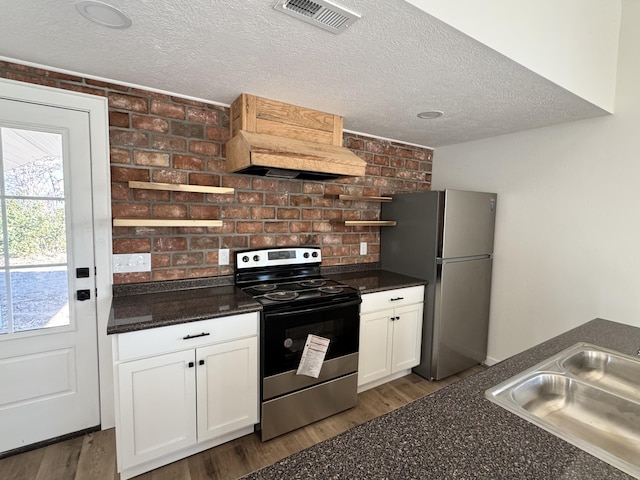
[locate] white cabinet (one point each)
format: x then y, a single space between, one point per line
390 335
227 379
157 414
183 389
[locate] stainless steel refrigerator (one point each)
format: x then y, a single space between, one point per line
446 238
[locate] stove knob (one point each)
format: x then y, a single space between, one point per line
314 254
306 255
256 258
245 259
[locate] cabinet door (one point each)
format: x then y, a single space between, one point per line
227 387
375 346
157 406
407 337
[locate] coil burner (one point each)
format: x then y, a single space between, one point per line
316 282
331 289
281 295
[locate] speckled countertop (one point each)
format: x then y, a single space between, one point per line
150 310
139 306
158 304
456 433
369 281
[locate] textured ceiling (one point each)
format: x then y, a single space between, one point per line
393 63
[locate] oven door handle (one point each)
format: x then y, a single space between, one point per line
322 308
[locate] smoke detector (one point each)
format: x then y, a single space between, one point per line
321 13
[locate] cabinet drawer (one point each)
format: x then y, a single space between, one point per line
160 340
398 297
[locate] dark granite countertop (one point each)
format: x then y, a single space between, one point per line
369 281
141 310
157 304
456 433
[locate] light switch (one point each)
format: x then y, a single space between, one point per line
363 248
131 262
223 256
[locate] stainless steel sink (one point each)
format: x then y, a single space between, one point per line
609 370
586 395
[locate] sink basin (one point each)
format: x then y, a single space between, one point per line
611 371
586 395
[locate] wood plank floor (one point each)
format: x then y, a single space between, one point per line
93 457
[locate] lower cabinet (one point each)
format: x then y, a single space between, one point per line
390 335
227 393
157 407
171 405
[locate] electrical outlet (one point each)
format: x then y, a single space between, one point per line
363 248
131 262
223 256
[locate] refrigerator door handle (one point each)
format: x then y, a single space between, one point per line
440 260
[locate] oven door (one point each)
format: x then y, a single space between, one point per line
284 334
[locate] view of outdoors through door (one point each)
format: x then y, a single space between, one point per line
34 285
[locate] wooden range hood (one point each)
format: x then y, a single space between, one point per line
276 139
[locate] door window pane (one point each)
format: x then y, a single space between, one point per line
36 232
39 298
34 285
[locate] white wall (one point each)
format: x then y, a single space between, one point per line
568 220
542 35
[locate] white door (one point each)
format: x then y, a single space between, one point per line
157 406
227 387
376 329
407 337
48 342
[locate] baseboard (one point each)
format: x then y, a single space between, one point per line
489 361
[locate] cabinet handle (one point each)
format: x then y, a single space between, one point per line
393 319
397 298
201 362
188 337
191 364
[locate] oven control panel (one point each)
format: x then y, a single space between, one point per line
270 257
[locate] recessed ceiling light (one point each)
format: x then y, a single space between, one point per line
431 114
103 14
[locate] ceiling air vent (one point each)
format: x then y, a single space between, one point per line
320 13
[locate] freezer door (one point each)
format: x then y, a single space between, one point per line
461 319
468 222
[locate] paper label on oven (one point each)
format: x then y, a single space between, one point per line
315 349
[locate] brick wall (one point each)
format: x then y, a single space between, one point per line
162 138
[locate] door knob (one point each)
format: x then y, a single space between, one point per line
83 295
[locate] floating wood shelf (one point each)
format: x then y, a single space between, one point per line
164 222
361 198
171 222
179 187
370 223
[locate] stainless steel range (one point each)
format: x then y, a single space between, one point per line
298 302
